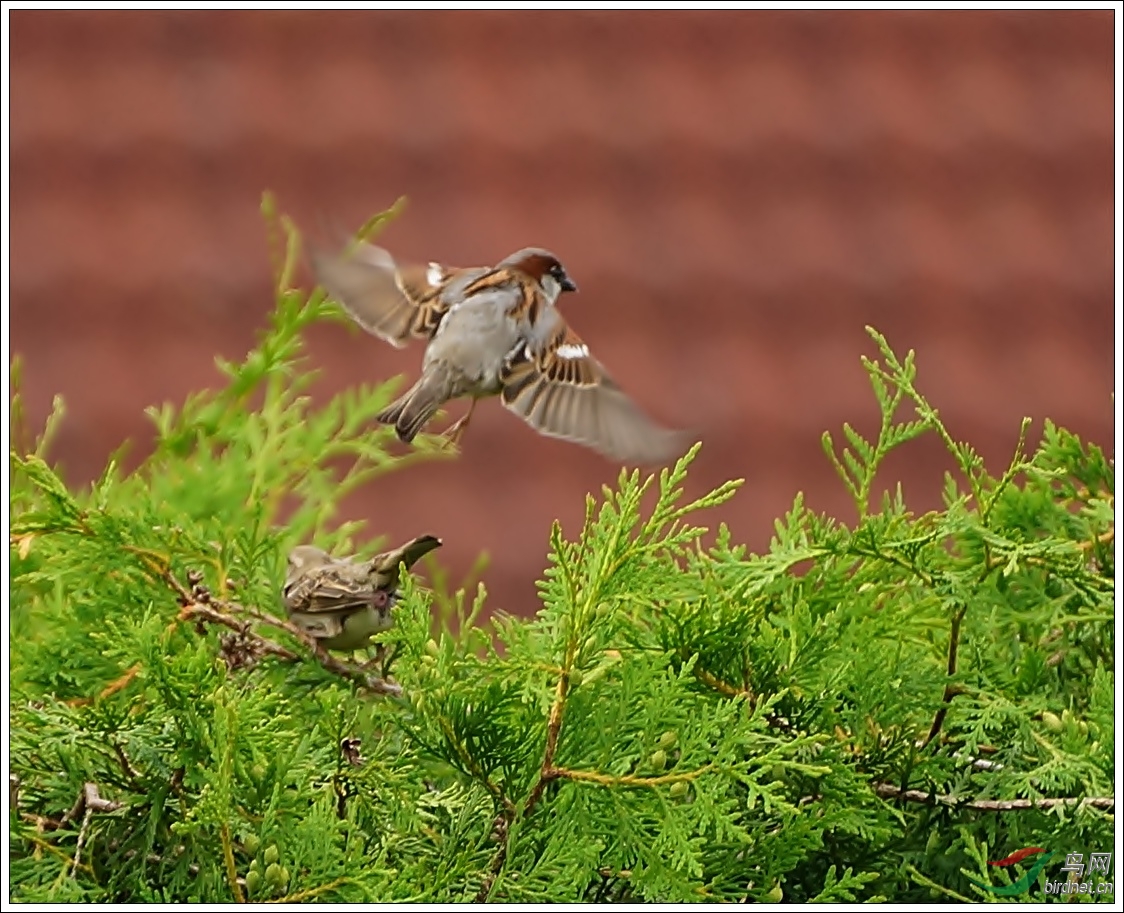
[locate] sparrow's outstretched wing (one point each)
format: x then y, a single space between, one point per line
557 387
395 303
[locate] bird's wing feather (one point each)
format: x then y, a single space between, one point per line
554 384
391 302
336 585
332 588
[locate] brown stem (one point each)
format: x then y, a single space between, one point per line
51 848
493 870
42 823
208 613
722 687
131 773
203 613
727 690
474 769
228 859
1103 539
88 799
112 688
553 729
950 690
889 791
547 772
592 776
310 892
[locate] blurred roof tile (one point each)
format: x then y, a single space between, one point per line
738 194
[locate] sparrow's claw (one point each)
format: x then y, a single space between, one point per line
376 662
452 434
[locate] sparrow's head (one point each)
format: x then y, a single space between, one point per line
542 266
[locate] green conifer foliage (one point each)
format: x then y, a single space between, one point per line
872 709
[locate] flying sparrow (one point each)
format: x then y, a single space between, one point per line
343 602
494 331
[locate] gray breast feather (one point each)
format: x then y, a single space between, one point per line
543 329
475 337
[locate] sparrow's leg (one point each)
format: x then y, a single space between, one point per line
375 662
453 434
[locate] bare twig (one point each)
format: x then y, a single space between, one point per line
81 842
42 823
889 791
88 802
131 773
96 802
79 807
548 773
553 728
262 645
497 863
978 763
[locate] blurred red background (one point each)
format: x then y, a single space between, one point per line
737 194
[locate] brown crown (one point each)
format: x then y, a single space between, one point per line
531 261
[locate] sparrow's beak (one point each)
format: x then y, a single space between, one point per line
568 285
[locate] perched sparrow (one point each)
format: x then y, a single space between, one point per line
494 331
342 602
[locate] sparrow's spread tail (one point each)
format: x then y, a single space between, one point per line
410 412
409 554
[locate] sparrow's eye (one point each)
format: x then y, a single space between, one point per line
559 275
